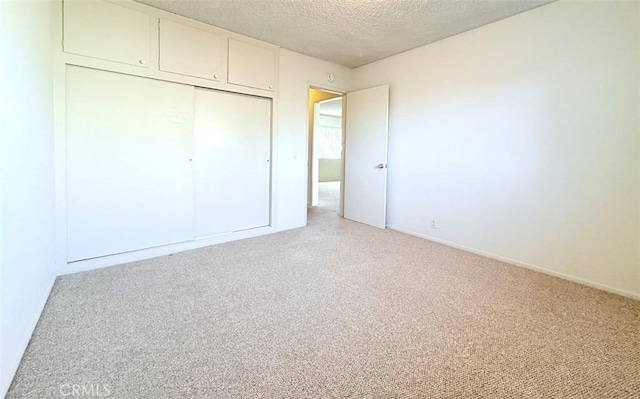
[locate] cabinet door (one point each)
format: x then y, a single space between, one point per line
190 51
129 169
231 163
107 31
251 65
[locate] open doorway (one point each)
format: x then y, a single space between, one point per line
360 120
328 145
325 150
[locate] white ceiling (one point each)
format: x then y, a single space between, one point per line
347 32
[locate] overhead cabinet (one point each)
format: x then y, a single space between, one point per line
153 155
107 31
167 47
190 51
252 65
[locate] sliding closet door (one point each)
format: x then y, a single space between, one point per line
129 169
232 154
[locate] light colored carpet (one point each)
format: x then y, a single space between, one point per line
329 195
333 310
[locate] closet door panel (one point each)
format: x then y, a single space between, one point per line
232 136
129 173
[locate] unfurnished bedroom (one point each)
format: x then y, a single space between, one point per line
320 199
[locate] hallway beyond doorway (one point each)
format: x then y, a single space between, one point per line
329 195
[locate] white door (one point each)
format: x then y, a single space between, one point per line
129 169
365 178
232 134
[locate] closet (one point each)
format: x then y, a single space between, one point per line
164 132
151 163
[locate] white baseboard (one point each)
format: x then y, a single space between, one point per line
133 256
514 262
11 364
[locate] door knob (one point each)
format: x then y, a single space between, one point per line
380 166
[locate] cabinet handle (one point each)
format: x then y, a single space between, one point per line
142 62
215 76
271 87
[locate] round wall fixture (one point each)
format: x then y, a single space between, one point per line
331 78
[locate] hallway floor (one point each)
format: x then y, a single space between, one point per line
329 195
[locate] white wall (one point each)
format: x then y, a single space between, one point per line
297 72
329 169
27 197
329 120
521 139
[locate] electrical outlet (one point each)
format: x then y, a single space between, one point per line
433 224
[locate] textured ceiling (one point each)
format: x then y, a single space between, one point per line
347 32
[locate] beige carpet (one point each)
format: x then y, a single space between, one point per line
334 310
